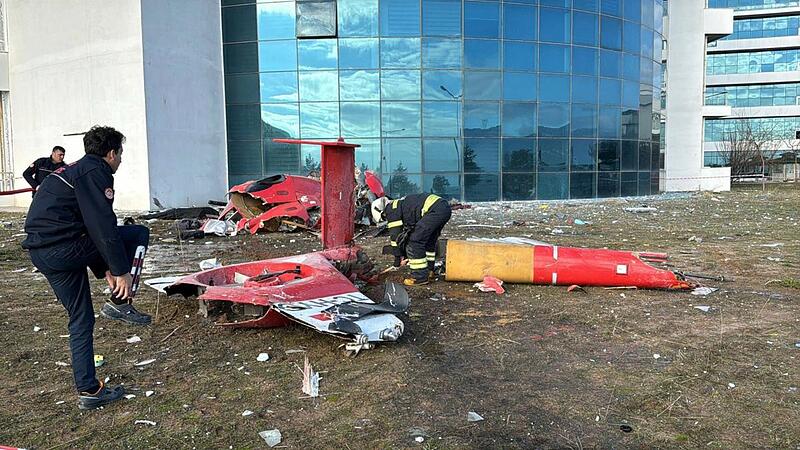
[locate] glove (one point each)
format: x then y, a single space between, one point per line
397 261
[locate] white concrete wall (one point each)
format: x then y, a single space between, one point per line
183 76
74 64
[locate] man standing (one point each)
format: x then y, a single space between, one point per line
43 167
71 225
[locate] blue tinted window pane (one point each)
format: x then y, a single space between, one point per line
277 56
645 184
519 86
610 122
441 17
278 87
281 158
280 120
582 185
401 184
555 25
647 70
586 5
359 85
240 58
610 33
239 24
357 17
402 156
629 157
559 3
554 58
552 186
358 53
399 18
610 64
241 88
633 10
441 155
584 29
583 155
647 43
243 122
519 186
441 53
481 54
608 184
630 124
440 119
276 21
369 154
441 85
553 155
584 89
244 157
482 85
319 120
400 53
519 56
361 119
481 119
610 91
554 119
630 67
519 155
520 22
584 61
400 119
584 120
443 185
317 54
481 19
481 155
519 119
608 155
400 85
630 94
481 188
611 7
554 88
644 156
319 86
631 34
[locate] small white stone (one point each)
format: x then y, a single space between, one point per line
656 356
419 439
731 385
262 357
148 393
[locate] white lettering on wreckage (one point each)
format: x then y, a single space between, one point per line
322 303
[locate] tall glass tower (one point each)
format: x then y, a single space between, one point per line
475 100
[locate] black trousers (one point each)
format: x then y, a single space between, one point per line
64 265
421 247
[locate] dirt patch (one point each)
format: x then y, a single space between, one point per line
544 367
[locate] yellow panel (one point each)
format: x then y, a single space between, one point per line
471 261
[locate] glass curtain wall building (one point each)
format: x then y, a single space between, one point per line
475 100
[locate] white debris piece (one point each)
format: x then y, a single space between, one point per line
219 227
240 278
702 308
262 357
130 396
641 209
60 402
61 363
310 380
133 339
472 416
148 393
210 263
36 329
731 385
656 356
419 439
247 412
19 270
160 283
145 362
295 350
704 290
271 437
145 422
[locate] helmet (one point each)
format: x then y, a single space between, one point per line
378 208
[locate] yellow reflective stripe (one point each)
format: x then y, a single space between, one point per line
394 244
430 253
431 258
396 223
415 266
429 202
395 203
416 260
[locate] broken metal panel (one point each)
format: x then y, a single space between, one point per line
564 266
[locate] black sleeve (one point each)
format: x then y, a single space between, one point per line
30 172
100 220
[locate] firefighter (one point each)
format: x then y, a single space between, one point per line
43 167
415 223
71 225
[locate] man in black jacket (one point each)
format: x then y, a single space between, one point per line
42 167
71 225
415 223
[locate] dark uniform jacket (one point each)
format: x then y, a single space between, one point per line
40 169
76 201
403 214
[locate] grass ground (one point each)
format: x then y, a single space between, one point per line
545 368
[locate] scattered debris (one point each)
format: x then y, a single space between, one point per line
19 270
36 329
247 412
640 209
310 380
656 356
271 437
581 222
294 350
61 364
472 416
419 439
702 290
491 284
208 264
133 339
60 402
696 239
776 244
731 385
145 422
182 213
99 360
129 396
148 393
625 428
575 288
703 308
219 227
145 362
478 225
262 357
